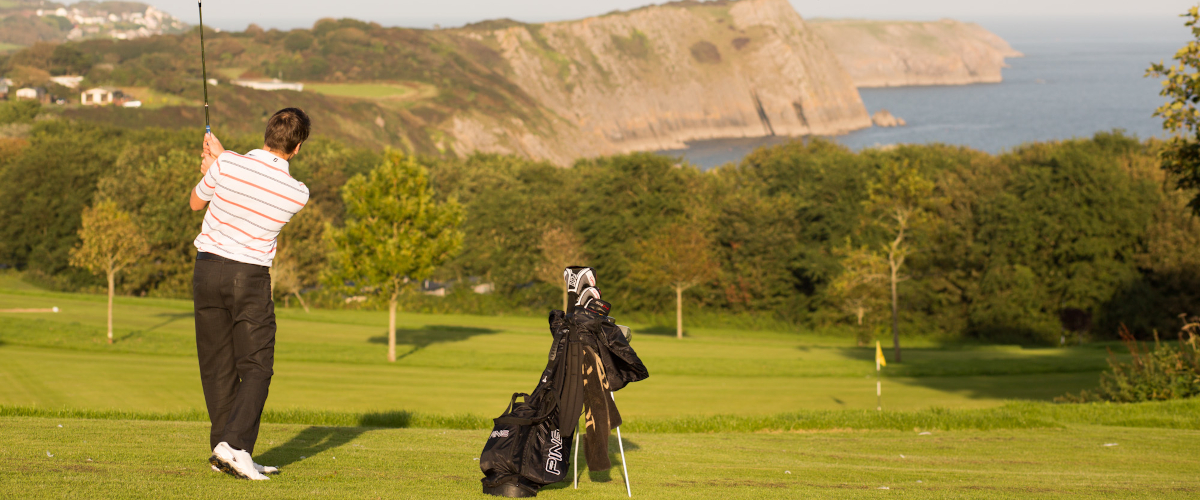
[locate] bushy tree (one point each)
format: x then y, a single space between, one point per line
860 288
1181 85
302 253
901 205
629 198
395 233
678 257
561 247
110 241
44 190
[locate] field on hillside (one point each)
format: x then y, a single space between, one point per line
725 413
361 90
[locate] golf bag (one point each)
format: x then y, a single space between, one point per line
530 444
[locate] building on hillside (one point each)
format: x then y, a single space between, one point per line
3 89
101 96
68 81
34 94
272 84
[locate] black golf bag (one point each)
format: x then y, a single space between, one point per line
530 444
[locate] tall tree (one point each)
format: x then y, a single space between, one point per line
561 247
110 241
395 233
678 256
859 289
302 254
1181 85
897 204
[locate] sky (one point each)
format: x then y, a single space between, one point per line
287 14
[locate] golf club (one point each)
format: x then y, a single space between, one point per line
203 69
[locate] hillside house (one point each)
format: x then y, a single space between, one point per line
34 94
101 96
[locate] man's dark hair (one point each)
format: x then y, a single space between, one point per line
286 129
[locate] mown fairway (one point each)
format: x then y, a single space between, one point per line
134 459
458 371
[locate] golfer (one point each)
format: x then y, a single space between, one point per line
250 198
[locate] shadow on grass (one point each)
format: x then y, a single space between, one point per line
309 443
169 318
990 372
421 338
600 476
659 330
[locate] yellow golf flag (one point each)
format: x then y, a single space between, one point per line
879 355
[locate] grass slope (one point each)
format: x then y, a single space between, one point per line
458 364
139 459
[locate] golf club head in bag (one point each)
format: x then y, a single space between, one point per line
594 305
578 279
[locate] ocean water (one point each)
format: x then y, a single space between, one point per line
1078 77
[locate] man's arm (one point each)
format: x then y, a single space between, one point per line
196 203
204 190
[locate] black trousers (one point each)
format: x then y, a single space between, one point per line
235 341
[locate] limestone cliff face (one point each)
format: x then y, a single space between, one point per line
658 76
897 53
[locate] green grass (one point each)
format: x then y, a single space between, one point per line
462 364
725 413
10 47
159 459
1016 415
361 90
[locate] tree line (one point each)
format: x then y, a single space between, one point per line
1047 243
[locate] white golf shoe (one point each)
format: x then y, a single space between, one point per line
262 469
235 462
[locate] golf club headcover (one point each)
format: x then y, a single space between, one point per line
597 306
577 279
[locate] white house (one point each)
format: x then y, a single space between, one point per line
272 84
33 94
100 96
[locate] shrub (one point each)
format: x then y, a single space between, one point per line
1164 373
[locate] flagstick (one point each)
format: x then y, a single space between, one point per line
878 388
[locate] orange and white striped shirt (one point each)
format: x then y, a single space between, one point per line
251 197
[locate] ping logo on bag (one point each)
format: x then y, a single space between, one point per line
555 456
500 434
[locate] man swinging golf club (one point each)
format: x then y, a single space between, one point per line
250 198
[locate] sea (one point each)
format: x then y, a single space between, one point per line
1078 76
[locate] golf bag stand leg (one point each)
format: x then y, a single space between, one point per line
621 445
575 460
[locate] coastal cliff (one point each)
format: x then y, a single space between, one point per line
656 77
899 53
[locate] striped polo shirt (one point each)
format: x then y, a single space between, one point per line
251 197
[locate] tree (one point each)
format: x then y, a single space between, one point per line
395 233
110 241
1181 85
302 253
898 204
679 256
858 289
561 247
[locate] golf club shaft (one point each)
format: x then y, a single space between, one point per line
203 68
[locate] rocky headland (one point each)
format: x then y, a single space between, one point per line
899 53
657 77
